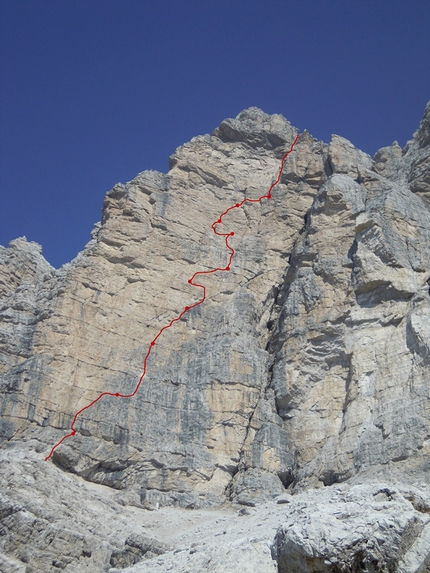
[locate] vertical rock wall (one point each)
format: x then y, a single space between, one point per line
307 364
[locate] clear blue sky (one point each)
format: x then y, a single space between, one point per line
94 91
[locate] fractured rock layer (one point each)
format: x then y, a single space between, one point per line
306 366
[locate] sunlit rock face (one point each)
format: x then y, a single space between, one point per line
307 365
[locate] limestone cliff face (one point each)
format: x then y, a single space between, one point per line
307 365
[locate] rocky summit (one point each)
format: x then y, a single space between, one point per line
284 424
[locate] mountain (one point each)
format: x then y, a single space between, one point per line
297 394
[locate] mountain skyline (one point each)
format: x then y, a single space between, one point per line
94 93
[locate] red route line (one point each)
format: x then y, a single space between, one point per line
187 308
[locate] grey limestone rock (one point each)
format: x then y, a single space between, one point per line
371 528
306 367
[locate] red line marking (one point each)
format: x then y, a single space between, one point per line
187 308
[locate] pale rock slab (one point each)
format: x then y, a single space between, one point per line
307 366
371 528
